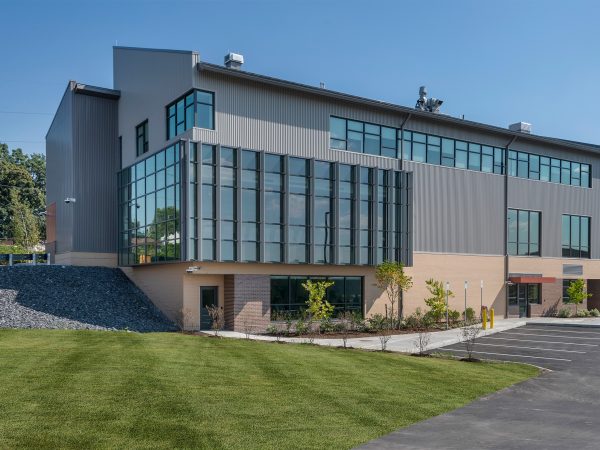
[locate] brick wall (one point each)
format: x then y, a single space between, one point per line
247 302
552 301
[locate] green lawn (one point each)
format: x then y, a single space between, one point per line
75 389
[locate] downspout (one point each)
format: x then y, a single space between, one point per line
505 227
408 116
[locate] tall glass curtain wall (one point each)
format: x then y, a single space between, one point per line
149 209
306 211
363 137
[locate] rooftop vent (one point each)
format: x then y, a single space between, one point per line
521 127
234 60
428 104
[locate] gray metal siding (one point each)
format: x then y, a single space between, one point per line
95 166
255 116
456 211
554 200
148 81
59 171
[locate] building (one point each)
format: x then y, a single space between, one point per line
209 184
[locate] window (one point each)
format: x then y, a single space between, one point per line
524 228
208 201
250 205
346 206
565 285
298 210
206 109
365 215
228 193
362 137
149 209
141 138
274 212
288 295
193 109
323 211
575 236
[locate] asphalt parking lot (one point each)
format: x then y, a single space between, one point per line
550 347
560 409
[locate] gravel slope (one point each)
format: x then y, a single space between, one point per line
70 297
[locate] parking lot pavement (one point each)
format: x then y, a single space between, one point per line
558 410
549 347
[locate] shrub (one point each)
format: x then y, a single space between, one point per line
594 312
470 315
301 326
272 329
358 323
418 320
377 322
582 313
564 313
453 315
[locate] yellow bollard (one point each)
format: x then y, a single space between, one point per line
484 318
491 318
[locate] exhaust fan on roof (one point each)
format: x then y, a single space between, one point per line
234 60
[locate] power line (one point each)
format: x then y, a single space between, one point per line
26 112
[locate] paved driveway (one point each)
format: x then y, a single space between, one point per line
558 410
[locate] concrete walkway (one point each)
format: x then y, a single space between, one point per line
405 343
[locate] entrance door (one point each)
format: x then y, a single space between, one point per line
209 296
522 299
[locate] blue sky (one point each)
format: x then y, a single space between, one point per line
495 62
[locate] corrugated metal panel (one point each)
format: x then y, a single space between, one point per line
59 171
554 200
95 166
148 80
275 120
457 211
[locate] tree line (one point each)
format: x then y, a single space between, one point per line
22 197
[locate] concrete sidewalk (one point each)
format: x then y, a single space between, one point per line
404 343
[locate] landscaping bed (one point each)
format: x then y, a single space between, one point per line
90 389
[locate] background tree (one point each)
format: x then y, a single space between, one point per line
577 293
26 174
23 224
391 277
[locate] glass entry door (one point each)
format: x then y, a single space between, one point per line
208 297
522 299
522 295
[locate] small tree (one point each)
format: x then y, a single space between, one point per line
217 316
469 336
577 293
346 325
318 307
437 301
391 277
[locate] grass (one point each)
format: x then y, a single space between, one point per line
79 389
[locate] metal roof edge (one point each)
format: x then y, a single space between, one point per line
509 134
145 49
88 89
